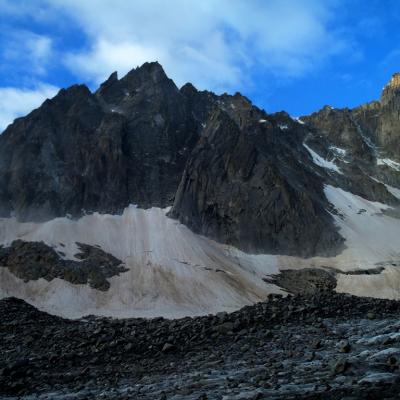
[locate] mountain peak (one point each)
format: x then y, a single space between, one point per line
391 90
107 84
188 88
154 70
394 81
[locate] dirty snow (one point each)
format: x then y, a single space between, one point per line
172 271
372 238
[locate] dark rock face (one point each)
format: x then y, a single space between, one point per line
35 260
250 184
79 151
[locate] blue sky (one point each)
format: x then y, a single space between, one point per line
293 55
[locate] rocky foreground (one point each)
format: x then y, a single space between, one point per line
317 346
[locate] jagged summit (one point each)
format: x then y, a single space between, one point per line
143 83
152 71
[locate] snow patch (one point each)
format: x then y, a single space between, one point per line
283 127
338 150
391 189
388 162
116 110
298 119
321 162
394 191
262 121
372 238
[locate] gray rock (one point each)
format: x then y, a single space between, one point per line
339 366
344 346
35 260
379 377
168 347
224 328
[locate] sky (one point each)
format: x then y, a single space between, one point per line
292 55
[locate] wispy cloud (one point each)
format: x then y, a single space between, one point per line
15 102
25 51
213 43
105 57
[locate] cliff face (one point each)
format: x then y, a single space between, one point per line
127 143
389 121
250 184
228 169
368 130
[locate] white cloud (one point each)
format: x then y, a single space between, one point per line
28 51
16 102
106 57
213 43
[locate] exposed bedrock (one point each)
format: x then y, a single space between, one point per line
35 260
311 281
248 185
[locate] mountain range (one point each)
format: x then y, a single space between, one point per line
191 202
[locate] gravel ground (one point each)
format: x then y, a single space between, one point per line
319 346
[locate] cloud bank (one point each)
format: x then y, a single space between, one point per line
221 45
214 43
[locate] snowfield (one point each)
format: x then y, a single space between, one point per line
174 273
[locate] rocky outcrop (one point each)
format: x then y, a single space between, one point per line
249 182
35 260
310 281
